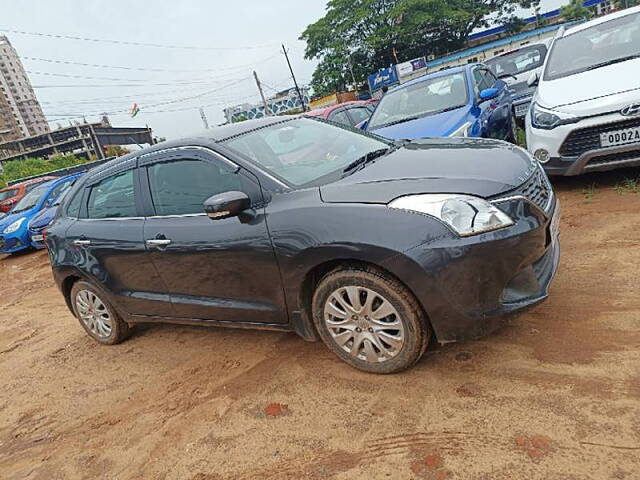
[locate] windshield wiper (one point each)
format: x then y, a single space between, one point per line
612 61
402 120
363 160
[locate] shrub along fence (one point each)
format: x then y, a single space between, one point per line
34 167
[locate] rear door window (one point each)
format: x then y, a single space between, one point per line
340 117
359 114
113 197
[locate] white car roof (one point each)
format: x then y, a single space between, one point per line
603 19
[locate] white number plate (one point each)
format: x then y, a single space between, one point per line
37 238
620 137
522 109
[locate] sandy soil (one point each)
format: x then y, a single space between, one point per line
553 395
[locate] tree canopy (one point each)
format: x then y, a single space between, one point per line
365 35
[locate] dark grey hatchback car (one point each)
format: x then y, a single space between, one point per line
295 224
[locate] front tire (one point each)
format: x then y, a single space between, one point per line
96 315
370 320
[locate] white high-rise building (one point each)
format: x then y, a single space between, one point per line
20 112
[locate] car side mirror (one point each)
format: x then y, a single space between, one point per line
489 93
227 204
363 124
533 80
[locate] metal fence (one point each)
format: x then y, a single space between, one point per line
64 171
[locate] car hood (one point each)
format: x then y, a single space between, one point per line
12 217
43 217
480 167
438 125
602 90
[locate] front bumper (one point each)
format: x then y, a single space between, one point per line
13 242
592 158
470 289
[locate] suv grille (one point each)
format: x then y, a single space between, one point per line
585 139
536 189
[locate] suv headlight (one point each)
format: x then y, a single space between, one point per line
548 119
463 131
14 226
464 214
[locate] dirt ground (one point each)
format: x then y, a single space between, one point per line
553 395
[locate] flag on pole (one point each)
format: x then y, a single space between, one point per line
135 110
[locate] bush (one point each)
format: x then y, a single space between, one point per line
17 169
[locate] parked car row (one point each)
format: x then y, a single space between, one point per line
23 226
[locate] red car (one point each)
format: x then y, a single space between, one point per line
347 113
11 195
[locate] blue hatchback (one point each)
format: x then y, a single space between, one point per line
464 101
14 228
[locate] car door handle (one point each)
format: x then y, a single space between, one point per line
158 242
81 243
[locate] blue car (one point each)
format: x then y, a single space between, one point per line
14 228
465 101
43 219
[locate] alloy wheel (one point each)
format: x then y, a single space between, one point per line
364 324
94 313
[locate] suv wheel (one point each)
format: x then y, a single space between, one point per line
96 315
370 320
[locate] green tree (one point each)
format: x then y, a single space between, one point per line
372 33
575 10
514 25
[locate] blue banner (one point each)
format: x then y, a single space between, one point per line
384 78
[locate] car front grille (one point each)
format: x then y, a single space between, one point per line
582 140
537 190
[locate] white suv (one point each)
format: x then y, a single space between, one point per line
585 115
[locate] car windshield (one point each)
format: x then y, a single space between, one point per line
518 61
30 200
594 47
426 97
305 151
7 194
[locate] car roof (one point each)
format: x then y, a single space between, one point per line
28 182
439 73
600 20
212 135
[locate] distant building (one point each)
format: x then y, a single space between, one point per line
281 102
85 140
20 112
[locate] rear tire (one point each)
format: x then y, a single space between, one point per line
370 320
96 315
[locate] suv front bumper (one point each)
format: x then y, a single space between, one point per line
589 156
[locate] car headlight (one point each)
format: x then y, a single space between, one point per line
549 119
14 226
464 214
463 131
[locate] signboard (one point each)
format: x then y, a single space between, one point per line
384 78
412 66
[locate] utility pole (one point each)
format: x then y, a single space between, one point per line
304 107
264 102
353 78
204 118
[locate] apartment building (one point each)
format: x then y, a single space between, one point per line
20 112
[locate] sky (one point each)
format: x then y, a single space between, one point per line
225 40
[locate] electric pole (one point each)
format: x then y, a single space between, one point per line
304 107
264 102
204 118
